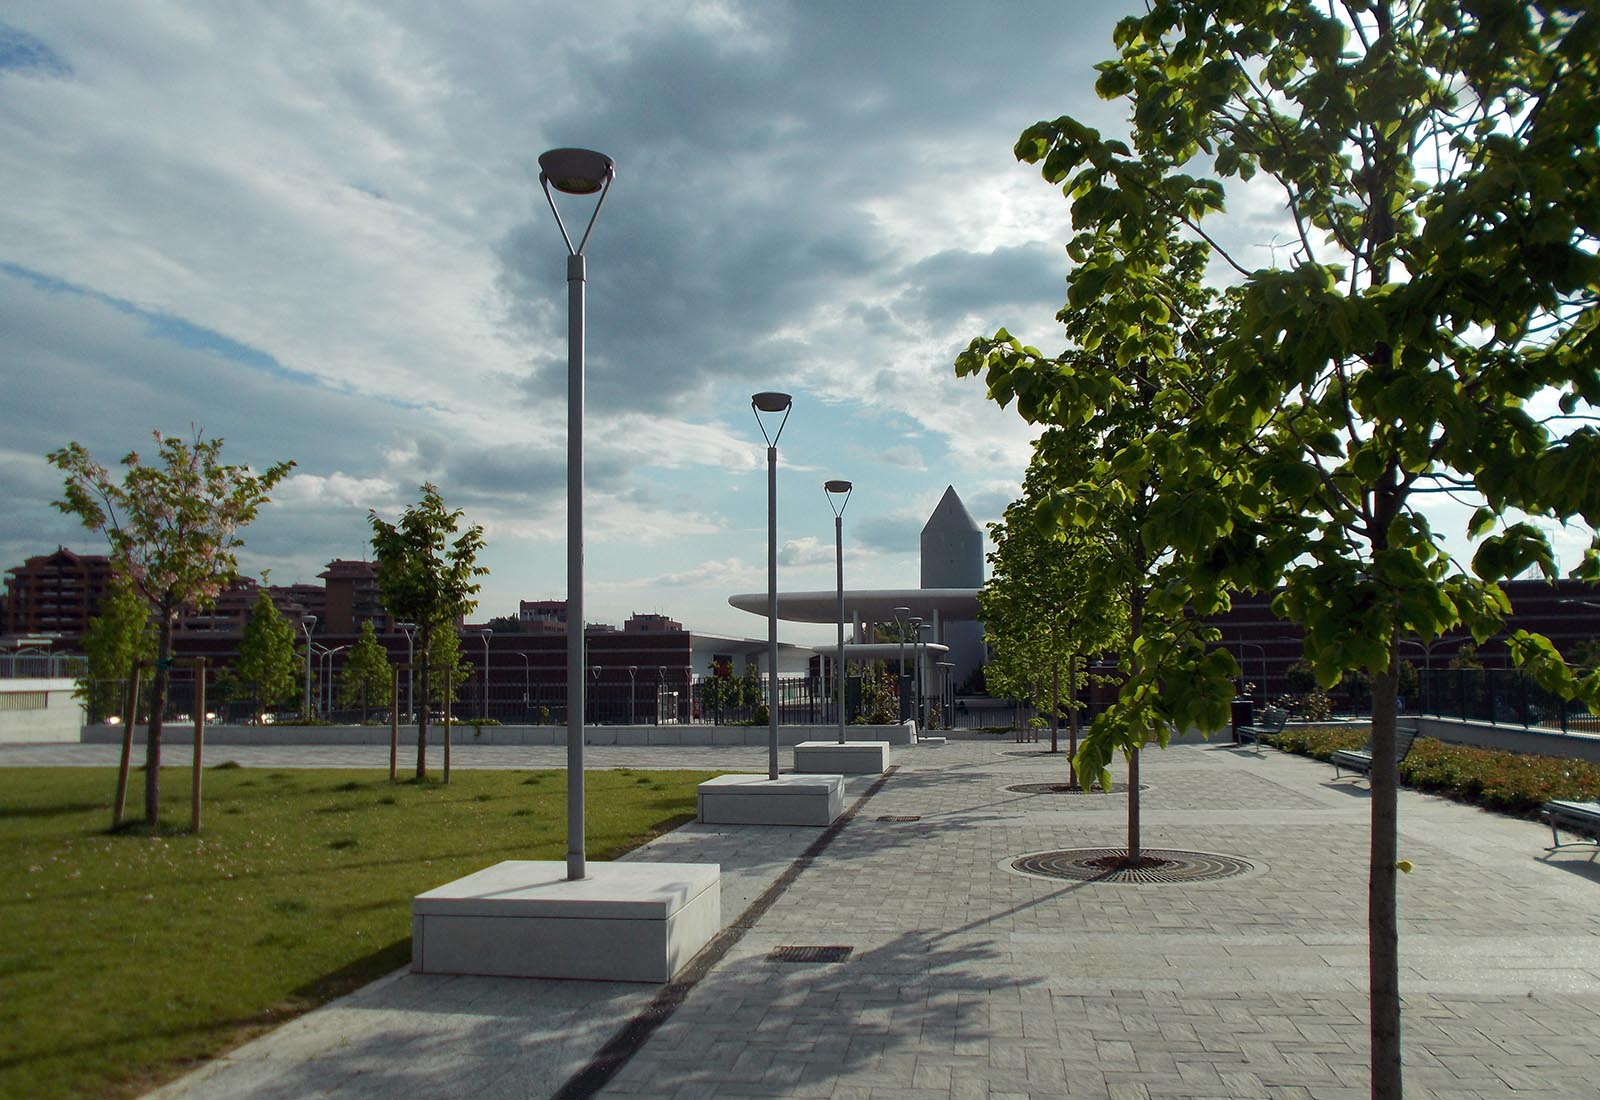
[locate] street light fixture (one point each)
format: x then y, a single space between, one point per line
916 669
633 684
832 490
900 614
772 403
483 710
325 656
575 172
307 622
411 673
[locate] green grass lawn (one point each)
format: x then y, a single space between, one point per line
126 958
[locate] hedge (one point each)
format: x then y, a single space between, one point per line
1510 782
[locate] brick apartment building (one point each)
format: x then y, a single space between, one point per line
55 593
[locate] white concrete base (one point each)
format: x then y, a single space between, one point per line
757 800
931 742
624 922
850 758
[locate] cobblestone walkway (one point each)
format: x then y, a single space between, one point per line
967 980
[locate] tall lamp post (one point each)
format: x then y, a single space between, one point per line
527 686
900 614
772 403
484 700
411 709
916 669
307 622
832 490
575 172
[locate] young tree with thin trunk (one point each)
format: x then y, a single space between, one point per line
267 661
1046 608
426 566
367 677
122 635
1428 324
174 529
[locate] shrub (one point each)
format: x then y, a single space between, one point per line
1320 741
1508 781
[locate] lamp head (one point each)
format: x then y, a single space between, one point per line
771 402
308 620
576 171
836 486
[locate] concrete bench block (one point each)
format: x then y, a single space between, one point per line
850 758
931 742
624 922
757 800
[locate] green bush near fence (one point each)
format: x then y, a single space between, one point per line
1507 781
1510 782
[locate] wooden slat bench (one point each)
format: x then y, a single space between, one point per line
1575 817
1360 760
1271 724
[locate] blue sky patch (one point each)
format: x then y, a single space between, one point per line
23 53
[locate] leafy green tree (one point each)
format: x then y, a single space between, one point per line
367 677
1119 464
267 663
173 528
505 624
1440 174
118 638
448 657
1044 609
426 566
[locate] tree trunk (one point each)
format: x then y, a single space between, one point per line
130 712
1134 850
1383 932
422 722
1072 722
1055 708
158 703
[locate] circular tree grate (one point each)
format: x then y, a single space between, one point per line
1070 788
1157 865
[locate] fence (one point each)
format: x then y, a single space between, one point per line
1505 696
661 696
41 666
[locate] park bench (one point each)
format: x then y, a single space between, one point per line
1576 817
1360 760
1271 724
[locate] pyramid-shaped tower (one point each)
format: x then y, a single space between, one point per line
952 546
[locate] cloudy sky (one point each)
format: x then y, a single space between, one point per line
315 230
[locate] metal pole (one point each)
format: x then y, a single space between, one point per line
575 639
838 664
772 611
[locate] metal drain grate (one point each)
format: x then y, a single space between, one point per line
832 954
1069 788
1157 865
900 817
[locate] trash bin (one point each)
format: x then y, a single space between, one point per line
1244 714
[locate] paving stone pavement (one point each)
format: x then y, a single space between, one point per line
968 980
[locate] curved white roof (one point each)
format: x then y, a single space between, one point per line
874 605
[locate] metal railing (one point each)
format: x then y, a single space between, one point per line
611 698
1504 696
42 666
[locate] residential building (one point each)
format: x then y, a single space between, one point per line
56 593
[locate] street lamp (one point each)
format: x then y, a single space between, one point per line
900 614
575 172
326 657
487 634
307 622
916 668
831 489
772 403
633 677
527 686
406 629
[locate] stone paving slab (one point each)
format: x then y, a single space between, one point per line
966 979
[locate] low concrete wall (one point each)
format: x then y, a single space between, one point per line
463 734
33 710
1578 746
